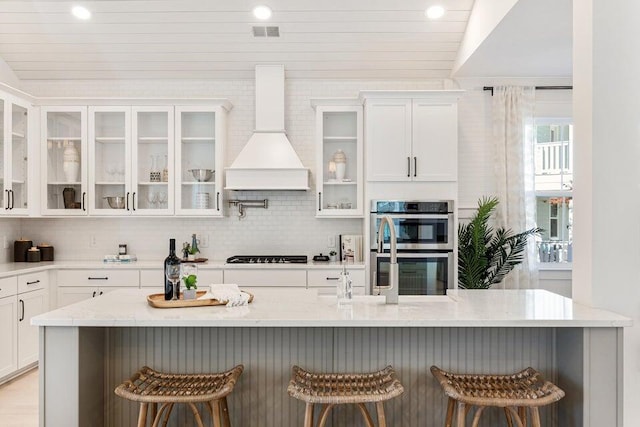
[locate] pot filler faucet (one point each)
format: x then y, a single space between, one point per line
390 291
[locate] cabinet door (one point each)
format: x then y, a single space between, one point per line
64 161
4 155
435 141
71 295
16 157
30 304
8 335
152 161
388 136
199 152
266 277
339 183
110 160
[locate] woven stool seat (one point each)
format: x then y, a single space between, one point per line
341 388
525 389
148 386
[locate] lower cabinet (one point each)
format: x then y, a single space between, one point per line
79 285
30 304
325 281
71 294
8 335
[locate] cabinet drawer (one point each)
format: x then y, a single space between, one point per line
33 281
259 277
102 278
8 286
321 278
155 278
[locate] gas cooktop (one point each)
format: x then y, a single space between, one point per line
267 259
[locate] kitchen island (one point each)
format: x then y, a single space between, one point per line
93 345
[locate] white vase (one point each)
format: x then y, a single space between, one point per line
341 169
71 162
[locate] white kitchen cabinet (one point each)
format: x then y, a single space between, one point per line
339 154
412 138
64 160
200 139
30 304
71 294
154 278
8 335
79 285
325 281
14 146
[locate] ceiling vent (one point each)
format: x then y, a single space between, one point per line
261 31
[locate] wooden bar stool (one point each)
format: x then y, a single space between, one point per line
329 390
151 387
514 393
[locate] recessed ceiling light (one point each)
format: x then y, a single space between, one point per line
81 12
262 12
434 12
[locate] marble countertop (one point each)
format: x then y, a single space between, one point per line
13 268
304 308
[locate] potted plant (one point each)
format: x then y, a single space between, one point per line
190 284
333 256
486 255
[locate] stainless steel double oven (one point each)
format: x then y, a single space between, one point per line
425 232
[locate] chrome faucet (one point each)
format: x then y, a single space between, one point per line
390 291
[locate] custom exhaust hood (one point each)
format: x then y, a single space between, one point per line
268 161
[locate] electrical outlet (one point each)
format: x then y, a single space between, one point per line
204 240
93 241
331 241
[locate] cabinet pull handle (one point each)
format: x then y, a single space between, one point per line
7 207
22 315
409 166
128 193
94 294
12 199
98 278
100 293
319 201
218 201
415 166
84 195
333 278
33 283
133 201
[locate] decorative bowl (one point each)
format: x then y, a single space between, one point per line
202 175
115 202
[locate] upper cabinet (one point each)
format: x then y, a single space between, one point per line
14 164
339 154
64 160
411 136
132 160
200 135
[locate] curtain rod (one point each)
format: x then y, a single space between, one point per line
485 88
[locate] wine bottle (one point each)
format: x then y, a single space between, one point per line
172 259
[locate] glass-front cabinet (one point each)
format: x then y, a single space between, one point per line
152 160
339 168
64 160
200 132
14 171
110 161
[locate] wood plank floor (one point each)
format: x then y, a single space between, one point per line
19 401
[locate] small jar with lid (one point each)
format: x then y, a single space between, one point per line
33 254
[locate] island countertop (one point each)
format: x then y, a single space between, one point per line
304 308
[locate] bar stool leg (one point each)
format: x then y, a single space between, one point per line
365 415
196 414
476 418
154 410
535 416
522 411
450 407
142 415
167 414
461 411
158 417
382 420
216 413
308 415
507 416
324 414
514 415
224 410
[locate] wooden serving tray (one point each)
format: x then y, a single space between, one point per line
158 301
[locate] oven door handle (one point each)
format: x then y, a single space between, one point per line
415 216
415 255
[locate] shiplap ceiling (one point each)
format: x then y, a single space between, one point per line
205 39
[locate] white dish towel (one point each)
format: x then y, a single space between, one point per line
227 292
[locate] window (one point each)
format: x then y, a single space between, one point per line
554 184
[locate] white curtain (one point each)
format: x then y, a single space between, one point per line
513 108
